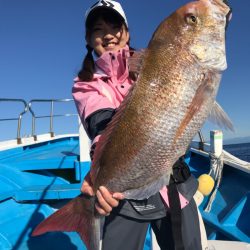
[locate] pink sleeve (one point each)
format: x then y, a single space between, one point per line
89 98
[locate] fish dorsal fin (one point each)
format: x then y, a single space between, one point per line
135 61
106 135
220 118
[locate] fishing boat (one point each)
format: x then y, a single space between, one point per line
41 172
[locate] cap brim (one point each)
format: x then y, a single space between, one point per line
92 12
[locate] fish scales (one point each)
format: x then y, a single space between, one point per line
174 94
146 151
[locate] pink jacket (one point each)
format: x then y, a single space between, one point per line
108 88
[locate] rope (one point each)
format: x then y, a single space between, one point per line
216 170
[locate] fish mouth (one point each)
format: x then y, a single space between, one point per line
209 48
218 8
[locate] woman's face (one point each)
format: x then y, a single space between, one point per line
107 37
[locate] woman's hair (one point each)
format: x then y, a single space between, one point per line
88 65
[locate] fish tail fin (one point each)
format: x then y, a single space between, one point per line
77 215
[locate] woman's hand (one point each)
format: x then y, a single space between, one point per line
106 200
87 186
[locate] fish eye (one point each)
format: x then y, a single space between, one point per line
191 19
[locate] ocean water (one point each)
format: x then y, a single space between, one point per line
241 150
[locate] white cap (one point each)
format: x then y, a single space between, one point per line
107 4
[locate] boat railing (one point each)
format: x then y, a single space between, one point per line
28 107
19 117
51 116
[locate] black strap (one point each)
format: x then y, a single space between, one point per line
180 174
175 215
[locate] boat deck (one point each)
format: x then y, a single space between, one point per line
34 181
37 178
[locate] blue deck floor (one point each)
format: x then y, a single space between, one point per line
26 176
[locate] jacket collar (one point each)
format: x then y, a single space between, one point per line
113 64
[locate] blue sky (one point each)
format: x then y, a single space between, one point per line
42 47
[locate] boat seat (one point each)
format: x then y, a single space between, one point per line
14 182
48 192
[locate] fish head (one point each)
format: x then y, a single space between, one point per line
199 29
204 24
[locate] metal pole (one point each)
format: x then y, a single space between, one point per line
202 141
19 140
19 119
33 132
52 134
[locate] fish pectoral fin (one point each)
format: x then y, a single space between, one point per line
220 117
135 61
76 216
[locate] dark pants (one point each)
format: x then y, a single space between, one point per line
125 233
